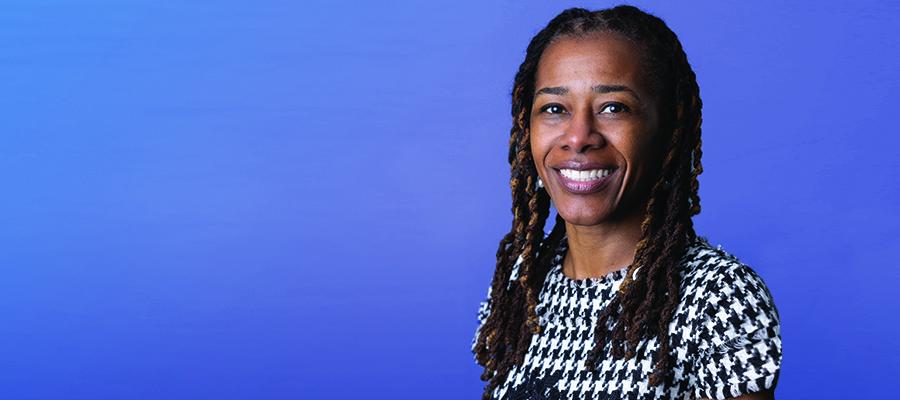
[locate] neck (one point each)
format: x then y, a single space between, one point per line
595 251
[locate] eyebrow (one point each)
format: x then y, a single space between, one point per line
562 90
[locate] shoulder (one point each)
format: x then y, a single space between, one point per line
715 277
485 305
735 324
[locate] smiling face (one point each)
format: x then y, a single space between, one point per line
594 128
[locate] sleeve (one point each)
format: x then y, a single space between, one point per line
740 337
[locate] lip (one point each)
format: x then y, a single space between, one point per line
581 187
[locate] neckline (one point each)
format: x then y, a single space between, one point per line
588 282
696 242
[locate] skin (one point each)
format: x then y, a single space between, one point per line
619 127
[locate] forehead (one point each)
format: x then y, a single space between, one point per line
580 62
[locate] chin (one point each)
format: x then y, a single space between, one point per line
578 217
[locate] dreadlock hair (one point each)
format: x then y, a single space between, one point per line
647 298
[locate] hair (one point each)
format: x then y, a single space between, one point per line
647 298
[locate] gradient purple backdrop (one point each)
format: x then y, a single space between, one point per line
283 200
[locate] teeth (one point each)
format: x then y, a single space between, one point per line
587 175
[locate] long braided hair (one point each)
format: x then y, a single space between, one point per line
647 298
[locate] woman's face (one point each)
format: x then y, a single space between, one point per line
594 126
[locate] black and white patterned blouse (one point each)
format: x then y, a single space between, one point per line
725 334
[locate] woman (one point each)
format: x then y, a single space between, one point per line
622 299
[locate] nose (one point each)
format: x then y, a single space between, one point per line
581 133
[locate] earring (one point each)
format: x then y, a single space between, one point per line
540 183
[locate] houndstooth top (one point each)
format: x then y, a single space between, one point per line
725 336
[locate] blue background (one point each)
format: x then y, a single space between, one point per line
281 199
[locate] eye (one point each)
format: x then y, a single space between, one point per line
614 108
553 108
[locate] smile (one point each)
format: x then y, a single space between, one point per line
586 175
584 181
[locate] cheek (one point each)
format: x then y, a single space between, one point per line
648 158
654 149
640 145
539 147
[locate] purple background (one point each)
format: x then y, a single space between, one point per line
282 199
